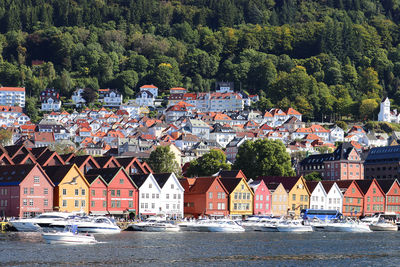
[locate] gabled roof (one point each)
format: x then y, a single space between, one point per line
57 173
67 157
38 151
47 156
288 182
92 178
15 174
364 185
232 174
311 185
386 184
327 185
82 160
105 160
202 185
230 183
139 179
126 162
108 174
162 178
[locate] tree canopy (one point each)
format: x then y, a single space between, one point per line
210 163
163 160
263 157
323 58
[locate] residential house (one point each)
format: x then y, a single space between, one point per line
298 193
149 194
12 96
336 134
279 199
374 197
25 191
207 196
222 134
71 192
240 196
353 200
262 198
171 198
199 128
318 197
391 188
334 196
110 98
122 192
98 195
77 97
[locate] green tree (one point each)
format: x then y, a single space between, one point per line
263 157
126 81
368 109
31 109
5 137
163 160
313 176
208 164
90 95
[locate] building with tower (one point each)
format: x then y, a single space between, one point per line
385 114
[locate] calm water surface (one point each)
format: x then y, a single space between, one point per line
207 249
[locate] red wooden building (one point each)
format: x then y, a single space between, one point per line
25 190
374 197
206 196
122 193
97 195
262 198
353 200
391 188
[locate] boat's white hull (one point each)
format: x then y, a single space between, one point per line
348 228
150 228
294 228
383 227
68 238
99 230
224 229
26 226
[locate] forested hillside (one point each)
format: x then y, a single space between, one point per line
322 57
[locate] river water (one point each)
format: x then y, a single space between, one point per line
207 249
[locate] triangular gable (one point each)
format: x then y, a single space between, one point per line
247 185
50 159
5 160
27 159
44 174
79 172
147 167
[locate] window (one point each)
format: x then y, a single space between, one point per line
131 193
36 179
179 196
92 203
167 196
150 185
104 193
374 190
368 199
211 206
261 206
104 204
257 197
210 195
293 197
167 206
25 190
76 203
113 193
118 193
76 192
293 206
130 205
64 203
235 206
112 203
236 195
121 181
157 195
93 192
353 190
118 203
32 191
153 205
301 197
83 192
25 202
172 186
242 187
261 197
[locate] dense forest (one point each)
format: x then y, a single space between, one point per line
327 58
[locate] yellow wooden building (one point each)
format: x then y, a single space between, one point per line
240 196
298 195
71 192
279 199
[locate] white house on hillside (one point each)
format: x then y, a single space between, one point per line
77 98
385 114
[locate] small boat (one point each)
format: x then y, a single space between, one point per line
98 225
293 226
160 226
383 226
69 236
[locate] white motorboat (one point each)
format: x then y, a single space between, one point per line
69 236
42 220
98 225
217 226
159 226
347 226
383 226
260 224
293 226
